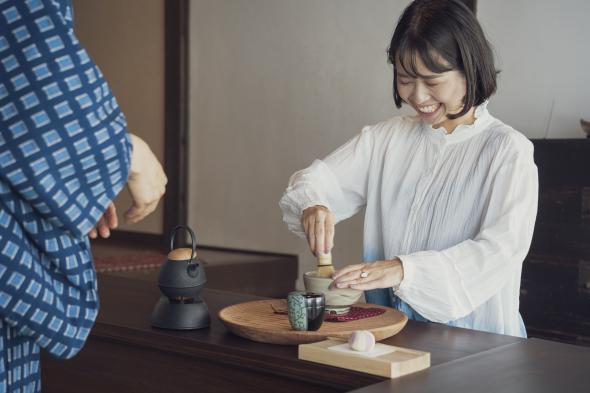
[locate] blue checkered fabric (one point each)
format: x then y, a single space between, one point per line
64 155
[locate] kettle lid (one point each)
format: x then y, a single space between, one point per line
182 254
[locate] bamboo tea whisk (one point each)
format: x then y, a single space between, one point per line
325 267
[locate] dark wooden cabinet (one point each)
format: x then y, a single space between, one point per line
555 292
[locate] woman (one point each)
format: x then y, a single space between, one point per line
64 156
450 194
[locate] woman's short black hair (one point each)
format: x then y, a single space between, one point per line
447 29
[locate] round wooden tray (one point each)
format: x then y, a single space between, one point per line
258 321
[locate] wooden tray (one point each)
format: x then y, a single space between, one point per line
401 361
257 321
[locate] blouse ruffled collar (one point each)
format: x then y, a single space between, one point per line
462 131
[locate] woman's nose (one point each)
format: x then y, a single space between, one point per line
419 94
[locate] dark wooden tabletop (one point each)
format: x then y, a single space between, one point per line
126 306
533 365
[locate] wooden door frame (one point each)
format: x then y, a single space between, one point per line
176 113
176 138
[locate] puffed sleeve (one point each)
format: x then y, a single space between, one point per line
449 284
64 156
338 182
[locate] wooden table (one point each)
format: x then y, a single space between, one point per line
125 354
534 365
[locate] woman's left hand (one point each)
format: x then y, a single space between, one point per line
372 275
107 222
146 182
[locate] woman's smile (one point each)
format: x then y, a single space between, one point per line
429 113
428 108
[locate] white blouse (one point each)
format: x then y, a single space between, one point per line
457 209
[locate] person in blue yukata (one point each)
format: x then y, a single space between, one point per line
64 155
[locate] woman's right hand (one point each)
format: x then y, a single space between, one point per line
147 181
318 223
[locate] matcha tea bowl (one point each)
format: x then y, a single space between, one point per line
338 300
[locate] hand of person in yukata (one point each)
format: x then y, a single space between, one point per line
108 221
318 224
372 275
146 183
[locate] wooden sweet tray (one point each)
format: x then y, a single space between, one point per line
257 321
401 361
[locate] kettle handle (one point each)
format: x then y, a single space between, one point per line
193 239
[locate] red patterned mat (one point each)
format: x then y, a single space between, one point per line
355 314
151 260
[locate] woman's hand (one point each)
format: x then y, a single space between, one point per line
146 183
318 223
107 222
365 276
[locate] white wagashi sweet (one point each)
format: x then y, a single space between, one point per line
361 340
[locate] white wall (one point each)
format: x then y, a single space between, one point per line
278 83
543 50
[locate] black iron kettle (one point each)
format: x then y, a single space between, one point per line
181 280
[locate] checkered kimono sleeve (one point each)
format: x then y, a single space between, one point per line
64 156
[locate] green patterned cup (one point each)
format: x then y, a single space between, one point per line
306 310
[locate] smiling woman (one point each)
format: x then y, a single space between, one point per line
435 61
450 194
437 98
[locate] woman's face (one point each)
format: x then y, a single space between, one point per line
432 95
